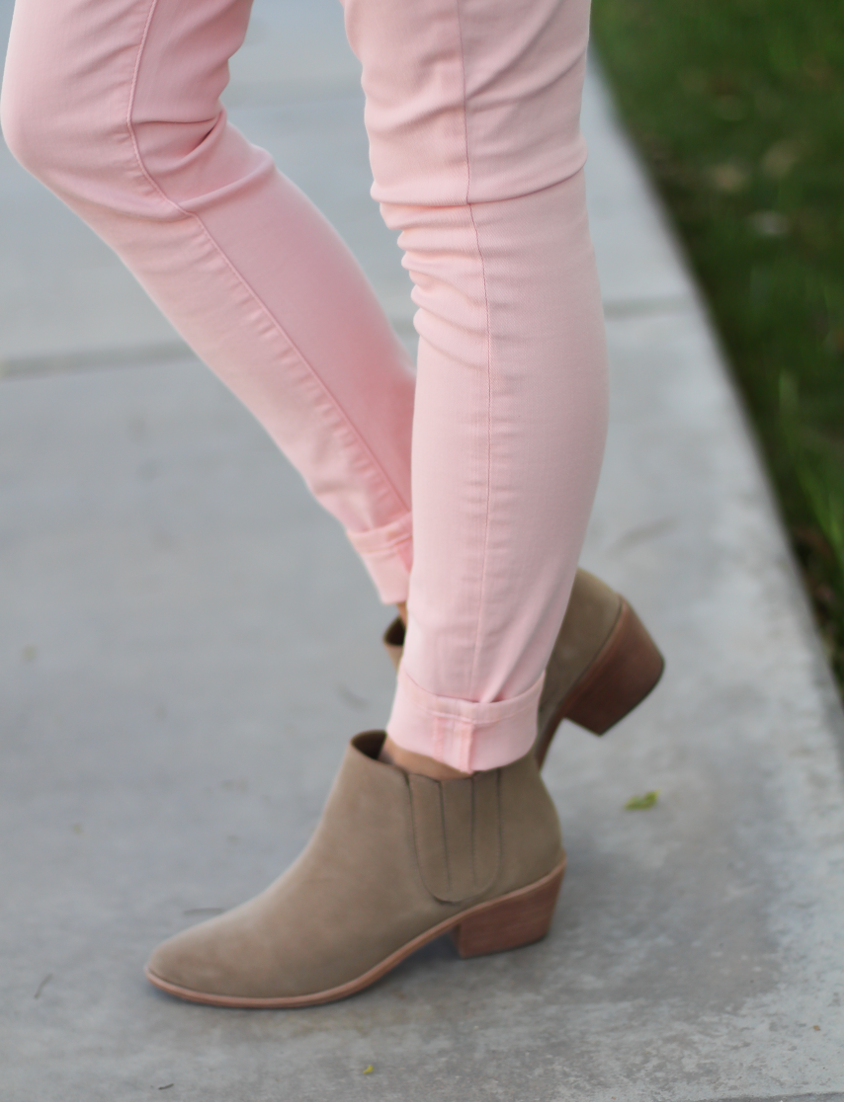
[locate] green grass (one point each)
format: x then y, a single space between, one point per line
738 109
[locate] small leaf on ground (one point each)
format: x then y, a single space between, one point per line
368 1070
642 803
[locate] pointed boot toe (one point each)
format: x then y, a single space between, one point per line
396 861
224 958
184 963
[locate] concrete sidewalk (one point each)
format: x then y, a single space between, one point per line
176 688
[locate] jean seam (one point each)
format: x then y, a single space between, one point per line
385 546
488 351
236 273
393 541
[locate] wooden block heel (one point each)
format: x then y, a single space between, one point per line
519 918
621 677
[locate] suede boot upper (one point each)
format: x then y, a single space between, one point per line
393 856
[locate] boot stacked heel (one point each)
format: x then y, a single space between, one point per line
622 674
625 672
519 919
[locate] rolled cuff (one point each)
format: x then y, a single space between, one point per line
460 733
387 554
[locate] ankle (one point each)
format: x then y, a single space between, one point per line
402 607
410 762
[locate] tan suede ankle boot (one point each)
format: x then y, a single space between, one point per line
603 663
397 860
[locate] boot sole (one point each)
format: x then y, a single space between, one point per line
509 922
624 671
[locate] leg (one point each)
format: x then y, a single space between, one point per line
472 111
114 104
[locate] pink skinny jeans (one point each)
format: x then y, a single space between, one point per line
472 110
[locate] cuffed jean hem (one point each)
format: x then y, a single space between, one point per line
387 554
460 733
